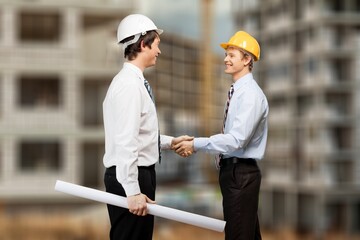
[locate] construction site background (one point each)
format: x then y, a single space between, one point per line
57 59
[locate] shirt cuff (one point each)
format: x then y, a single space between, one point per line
165 141
131 189
200 143
131 186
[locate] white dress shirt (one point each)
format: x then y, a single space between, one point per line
246 127
131 128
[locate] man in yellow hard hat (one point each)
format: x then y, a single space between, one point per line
242 141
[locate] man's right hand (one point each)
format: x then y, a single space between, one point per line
177 142
137 204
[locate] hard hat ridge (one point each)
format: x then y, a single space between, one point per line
135 25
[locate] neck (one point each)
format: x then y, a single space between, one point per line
239 75
137 62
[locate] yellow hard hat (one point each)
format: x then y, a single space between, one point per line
244 41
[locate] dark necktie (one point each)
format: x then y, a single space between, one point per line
149 90
230 94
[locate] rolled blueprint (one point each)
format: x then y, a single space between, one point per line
153 209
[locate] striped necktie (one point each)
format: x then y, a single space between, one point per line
149 90
230 94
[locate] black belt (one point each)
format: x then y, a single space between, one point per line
113 168
235 160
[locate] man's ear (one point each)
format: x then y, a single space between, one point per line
247 60
142 45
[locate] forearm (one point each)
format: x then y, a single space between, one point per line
165 142
220 143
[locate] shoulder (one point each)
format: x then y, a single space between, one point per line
252 88
125 83
251 93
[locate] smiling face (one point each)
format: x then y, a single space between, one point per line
145 51
236 62
153 52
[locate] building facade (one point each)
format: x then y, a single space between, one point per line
50 87
57 59
310 73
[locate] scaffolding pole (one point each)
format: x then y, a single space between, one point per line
206 63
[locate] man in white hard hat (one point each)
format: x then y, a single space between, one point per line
132 140
242 141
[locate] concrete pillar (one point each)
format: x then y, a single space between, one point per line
292 209
8 158
71 28
320 213
8 94
356 77
71 159
72 97
9 26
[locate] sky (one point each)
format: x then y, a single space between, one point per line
183 17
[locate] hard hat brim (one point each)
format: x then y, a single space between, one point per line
227 45
224 45
159 31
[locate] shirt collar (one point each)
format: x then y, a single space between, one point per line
242 81
135 69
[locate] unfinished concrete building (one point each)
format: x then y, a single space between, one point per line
57 59
310 73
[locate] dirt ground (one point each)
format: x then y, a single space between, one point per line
37 227
178 231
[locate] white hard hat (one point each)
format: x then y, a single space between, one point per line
135 25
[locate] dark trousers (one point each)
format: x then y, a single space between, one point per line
240 186
125 225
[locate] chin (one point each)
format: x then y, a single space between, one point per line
227 71
151 64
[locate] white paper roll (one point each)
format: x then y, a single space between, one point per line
153 209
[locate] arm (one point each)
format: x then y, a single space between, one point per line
127 121
165 142
241 130
168 142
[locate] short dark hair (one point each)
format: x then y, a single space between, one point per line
132 50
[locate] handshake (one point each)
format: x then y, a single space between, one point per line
183 145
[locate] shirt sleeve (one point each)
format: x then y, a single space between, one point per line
127 111
248 113
165 142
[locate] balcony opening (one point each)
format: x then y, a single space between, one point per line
341 70
94 92
39 27
93 168
39 91
305 103
342 137
93 21
279 210
336 217
356 217
344 171
39 156
306 213
340 103
357 6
